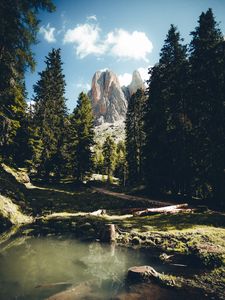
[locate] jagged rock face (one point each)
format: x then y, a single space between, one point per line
108 100
136 83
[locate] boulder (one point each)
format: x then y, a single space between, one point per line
142 274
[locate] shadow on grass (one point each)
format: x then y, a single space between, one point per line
45 199
178 221
71 197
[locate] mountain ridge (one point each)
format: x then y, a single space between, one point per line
109 100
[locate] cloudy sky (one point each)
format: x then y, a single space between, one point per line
121 35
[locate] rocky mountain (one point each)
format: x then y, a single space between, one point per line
109 100
116 130
136 83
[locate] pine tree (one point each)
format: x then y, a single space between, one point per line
135 136
121 163
166 121
98 159
82 123
206 108
18 28
50 114
109 153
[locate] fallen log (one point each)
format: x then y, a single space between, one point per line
178 265
98 212
165 209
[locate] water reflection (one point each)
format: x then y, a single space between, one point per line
29 268
37 268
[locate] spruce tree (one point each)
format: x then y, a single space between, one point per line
121 163
166 122
135 136
18 29
50 114
98 159
206 108
109 153
82 123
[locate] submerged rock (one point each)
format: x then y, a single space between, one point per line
142 274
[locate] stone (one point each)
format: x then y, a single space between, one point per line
142 274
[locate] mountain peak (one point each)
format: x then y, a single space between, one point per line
136 83
108 101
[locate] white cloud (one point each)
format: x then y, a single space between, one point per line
86 38
119 43
144 73
92 18
125 79
48 33
83 86
123 44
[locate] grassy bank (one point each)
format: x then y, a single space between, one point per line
14 208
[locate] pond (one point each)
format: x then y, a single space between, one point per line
39 267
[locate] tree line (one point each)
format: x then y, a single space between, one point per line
44 137
176 130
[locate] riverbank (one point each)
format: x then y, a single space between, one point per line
194 242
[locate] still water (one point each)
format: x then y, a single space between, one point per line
37 268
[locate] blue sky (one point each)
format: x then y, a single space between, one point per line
121 35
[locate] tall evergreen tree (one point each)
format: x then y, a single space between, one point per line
166 121
109 153
18 29
82 123
50 113
206 108
98 159
135 136
121 162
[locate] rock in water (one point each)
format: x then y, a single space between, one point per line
142 274
107 98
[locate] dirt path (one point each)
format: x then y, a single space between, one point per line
132 198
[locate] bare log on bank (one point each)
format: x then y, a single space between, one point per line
164 210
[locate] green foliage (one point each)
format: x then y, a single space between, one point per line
166 121
121 163
109 153
82 138
185 115
98 159
206 92
135 136
49 115
18 29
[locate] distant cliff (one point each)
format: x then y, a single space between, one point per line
109 100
